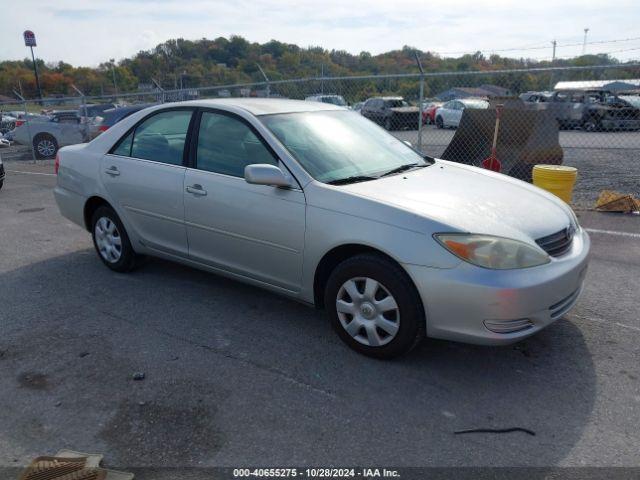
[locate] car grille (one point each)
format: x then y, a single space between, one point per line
563 306
558 243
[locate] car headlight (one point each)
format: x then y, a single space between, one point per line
492 252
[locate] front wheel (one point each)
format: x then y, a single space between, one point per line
111 240
45 146
374 306
592 124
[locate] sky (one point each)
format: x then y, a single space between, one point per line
88 32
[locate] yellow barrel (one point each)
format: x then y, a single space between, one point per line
556 179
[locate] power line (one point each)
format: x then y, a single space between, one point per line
565 57
598 42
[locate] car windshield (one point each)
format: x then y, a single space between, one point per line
334 100
476 104
633 100
336 145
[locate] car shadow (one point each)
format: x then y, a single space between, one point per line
229 365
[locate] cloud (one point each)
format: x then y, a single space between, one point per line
118 28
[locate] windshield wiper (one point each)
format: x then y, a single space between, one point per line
402 168
352 179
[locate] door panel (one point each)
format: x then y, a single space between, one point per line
144 176
150 194
253 230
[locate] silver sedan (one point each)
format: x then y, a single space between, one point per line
316 202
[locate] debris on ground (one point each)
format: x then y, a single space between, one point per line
611 201
138 376
70 464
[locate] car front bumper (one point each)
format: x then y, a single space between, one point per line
497 307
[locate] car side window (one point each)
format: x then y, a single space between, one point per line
161 137
124 147
226 145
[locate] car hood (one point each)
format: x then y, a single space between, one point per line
470 199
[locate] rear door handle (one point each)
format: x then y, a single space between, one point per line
112 170
196 189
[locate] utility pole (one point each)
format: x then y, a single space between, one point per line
113 74
584 42
553 55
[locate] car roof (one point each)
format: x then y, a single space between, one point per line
264 106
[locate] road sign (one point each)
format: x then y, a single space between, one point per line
29 38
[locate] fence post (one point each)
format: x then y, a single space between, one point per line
26 120
266 79
84 128
420 102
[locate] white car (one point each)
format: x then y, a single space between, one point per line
50 133
449 114
316 202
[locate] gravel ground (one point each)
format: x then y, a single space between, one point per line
237 376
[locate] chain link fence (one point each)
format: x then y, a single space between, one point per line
586 117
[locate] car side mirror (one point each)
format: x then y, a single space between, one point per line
265 174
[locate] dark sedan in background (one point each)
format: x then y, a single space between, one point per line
393 113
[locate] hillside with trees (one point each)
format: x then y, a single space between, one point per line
235 60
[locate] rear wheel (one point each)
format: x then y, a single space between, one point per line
374 306
439 122
592 124
111 240
45 146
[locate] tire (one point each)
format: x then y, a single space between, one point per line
120 258
403 319
387 124
1 184
439 122
45 146
592 124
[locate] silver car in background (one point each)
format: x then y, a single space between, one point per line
316 202
450 113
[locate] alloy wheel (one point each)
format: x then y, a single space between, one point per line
46 147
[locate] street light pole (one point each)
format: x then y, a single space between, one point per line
113 74
584 42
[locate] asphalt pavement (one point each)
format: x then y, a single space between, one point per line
237 376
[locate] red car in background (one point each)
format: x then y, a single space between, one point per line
429 112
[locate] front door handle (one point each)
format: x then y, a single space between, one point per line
113 171
196 189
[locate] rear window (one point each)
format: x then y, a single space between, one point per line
396 103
